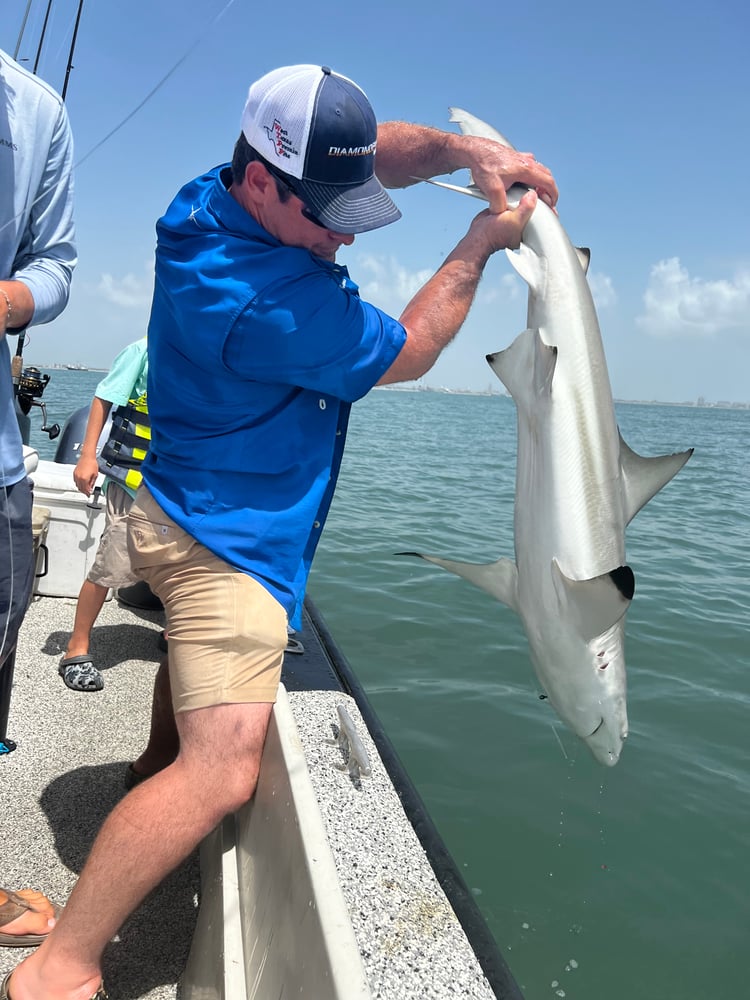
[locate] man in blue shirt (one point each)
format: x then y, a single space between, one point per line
258 345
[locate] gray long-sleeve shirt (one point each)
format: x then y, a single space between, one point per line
36 219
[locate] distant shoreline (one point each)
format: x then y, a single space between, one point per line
700 404
444 390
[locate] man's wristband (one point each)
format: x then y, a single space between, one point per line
10 308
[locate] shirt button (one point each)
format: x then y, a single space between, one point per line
316 524
322 404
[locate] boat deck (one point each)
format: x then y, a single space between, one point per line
67 773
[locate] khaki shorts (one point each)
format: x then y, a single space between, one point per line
227 634
111 566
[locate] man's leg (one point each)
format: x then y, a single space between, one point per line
16 583
227 641
16 560
111 569
145 837
163 738
90 602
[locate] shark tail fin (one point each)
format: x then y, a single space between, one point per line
471 125
644 477
471 189
499 579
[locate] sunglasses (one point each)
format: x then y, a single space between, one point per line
285 183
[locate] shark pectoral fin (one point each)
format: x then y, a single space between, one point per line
499 579
526 367
644 477
595 605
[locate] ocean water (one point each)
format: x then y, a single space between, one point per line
598 884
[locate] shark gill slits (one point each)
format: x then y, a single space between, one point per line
624 580
601 655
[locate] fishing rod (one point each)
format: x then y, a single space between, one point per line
69 67
41 37
29 383
23 28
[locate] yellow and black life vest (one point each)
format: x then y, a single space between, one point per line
127 444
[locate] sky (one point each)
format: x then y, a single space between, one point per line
640 110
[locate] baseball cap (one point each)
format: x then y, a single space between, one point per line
318 128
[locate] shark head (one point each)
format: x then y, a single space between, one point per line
577 649
590 697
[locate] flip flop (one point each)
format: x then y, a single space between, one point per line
11 910
80 674
101 993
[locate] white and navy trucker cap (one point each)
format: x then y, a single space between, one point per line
319 129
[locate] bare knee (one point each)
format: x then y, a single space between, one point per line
223 747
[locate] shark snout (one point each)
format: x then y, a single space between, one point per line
606 741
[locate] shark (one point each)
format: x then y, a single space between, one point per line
578 486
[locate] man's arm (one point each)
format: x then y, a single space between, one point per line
87 469
406 152
16 306
436 313
39 283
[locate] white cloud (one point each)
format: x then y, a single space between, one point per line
678 304
509 289
130 291
386 283
389 285
602 290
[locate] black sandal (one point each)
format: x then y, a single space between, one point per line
80 674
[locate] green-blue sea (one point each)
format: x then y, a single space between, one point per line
628 883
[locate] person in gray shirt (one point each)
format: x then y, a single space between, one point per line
37 257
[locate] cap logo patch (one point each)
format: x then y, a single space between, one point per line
352 150
279 138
